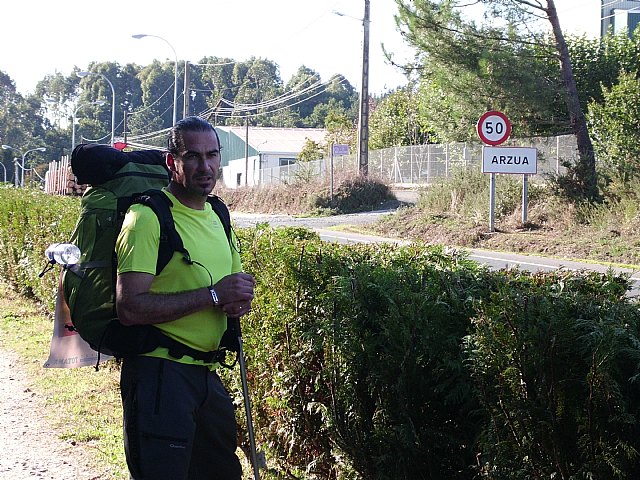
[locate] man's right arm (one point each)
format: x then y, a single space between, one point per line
136 305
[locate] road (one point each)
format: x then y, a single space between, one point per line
493 259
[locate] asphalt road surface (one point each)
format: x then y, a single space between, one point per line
495 260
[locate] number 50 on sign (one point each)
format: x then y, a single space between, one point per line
494 128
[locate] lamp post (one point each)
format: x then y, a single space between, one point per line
113 99
5 171
9 147
175 72
73 125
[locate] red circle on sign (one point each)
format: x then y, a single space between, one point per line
494 128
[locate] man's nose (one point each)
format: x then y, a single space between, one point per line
203 164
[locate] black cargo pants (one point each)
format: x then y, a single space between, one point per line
179 422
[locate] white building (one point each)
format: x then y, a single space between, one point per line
251 154
619 15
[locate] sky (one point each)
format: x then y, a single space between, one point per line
41 37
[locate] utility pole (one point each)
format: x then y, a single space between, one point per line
363 121
187 81
246 151
124 127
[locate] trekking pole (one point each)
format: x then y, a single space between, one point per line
234 323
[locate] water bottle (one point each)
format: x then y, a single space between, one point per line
63 253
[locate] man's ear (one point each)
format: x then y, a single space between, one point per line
171 162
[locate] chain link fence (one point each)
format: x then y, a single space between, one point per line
425 164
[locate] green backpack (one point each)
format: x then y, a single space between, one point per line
117 180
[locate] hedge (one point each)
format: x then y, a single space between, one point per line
377 361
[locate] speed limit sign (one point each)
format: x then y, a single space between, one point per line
494 128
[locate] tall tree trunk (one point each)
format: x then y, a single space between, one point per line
585 169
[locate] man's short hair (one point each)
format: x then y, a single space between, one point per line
175 142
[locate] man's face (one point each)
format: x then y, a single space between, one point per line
196 168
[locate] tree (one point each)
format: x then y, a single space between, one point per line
215 82
396 121
59 92
156 81
341 93
311 151
305 78
145 93
260 84
615 125
22 125
518 81
598 62
341 129
437 29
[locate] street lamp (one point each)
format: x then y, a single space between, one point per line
5 171
113 99
9 147
175 72
73 125
363 117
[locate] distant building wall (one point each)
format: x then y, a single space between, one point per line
253 168
619 15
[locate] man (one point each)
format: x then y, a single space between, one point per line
179 422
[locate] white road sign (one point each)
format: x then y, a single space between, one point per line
521 160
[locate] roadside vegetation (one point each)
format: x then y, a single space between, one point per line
311 196
378 361
80 404
455 212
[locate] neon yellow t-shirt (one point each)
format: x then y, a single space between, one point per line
204 238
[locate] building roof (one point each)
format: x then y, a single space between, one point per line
278 140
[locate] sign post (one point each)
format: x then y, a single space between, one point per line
494 129
336 149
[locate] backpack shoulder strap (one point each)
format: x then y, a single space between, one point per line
222 211
170 240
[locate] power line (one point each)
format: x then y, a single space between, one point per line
257 114
289 99
285 97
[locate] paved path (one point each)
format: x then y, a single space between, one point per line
28 446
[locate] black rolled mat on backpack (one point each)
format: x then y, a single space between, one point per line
94 164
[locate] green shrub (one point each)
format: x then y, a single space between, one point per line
29 222
613 125
351 194
555 360
354 194
356 357
388 362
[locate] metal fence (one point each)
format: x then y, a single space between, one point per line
425 164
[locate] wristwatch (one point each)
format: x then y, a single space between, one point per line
214 296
